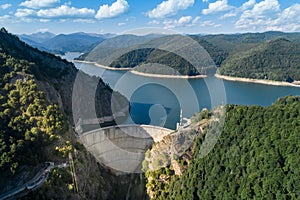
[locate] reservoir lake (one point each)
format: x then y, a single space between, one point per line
158 101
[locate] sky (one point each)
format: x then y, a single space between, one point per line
119 16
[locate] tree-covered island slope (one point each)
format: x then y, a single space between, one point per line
141 54
36 127
256 156
277 60
268 56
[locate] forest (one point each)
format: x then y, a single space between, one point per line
178 64
256 157
274 60
28 121
268 56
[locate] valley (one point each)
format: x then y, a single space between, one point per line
140 144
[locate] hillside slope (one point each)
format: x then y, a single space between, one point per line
274 60
36 126
235 43
62 43
256 157
140 50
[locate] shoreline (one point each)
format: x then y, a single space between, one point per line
102 66
228 78
140 73
259 81
166 76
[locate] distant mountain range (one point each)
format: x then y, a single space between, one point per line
270 55
59 44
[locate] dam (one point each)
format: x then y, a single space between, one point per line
122 148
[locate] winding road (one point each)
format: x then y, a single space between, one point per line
36 182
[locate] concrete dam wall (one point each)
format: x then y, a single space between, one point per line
122 148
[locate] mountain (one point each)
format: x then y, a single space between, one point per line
113 45
75 42
235 43
274 60
36 118
38 37
129 51
256 156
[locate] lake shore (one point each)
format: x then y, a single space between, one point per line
266 82
102 66
140 73
166 76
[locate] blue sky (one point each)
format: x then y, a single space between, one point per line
117 16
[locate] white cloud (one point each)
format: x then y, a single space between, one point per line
266 7
88 21
266 15
116 9
66 11
121 23
4 18
169 8
44 20
247 5
209 23
216 7
260 16
42 30
153 22
182 21
39 3
228 15
205 1
5 6
196 19
289 19
63 11
21 13
233 13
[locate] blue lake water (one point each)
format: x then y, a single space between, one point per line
158 101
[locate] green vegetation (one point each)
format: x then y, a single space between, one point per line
62 43
169 59
150 55
28 121
47 66
271 55
236 43
256 157
275 60
35 100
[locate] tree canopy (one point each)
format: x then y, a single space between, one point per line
256 157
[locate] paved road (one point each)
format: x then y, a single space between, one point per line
36 182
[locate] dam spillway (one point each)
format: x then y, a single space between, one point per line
122 148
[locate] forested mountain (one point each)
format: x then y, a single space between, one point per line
151 55
114 45
274 60
270 55
75 42
255 157
38 37
36 125
142 55
234 43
